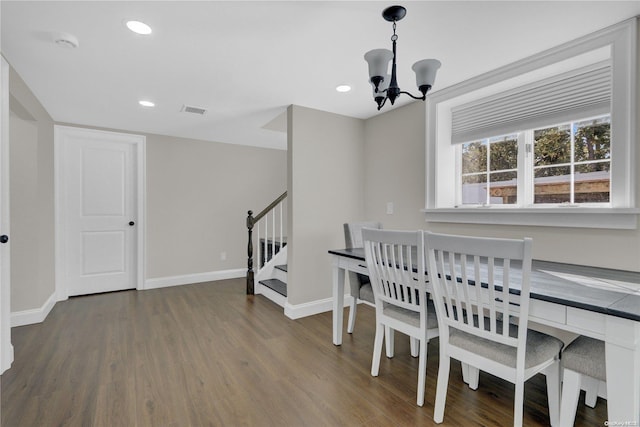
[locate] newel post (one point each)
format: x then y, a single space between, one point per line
250 284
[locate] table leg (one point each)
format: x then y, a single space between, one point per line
338 302
622 350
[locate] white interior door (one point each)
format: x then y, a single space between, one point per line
98 196
6 348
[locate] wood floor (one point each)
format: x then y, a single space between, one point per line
207 355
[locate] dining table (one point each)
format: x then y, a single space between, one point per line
598 302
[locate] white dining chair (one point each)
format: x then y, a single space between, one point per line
482 323
400 293
583 363
360 285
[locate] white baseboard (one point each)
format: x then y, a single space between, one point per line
35 315
7 358
314 307
187 279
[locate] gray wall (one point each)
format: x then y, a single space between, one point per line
31 198
394 171
326 166
198 195
23 137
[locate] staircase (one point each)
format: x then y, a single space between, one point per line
275 288
270 279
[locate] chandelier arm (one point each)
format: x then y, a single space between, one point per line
421 98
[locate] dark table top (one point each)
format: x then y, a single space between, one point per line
602 290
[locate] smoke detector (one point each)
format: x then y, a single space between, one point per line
66 40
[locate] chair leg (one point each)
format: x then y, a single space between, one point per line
570 395
473 377
389 341
422 370
553 392
590 386
377 349
352 315
518 404
465 372
415 346
441 388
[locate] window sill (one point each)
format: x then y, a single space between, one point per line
607 218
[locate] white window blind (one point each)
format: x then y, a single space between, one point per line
577 94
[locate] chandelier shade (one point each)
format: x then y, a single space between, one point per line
378 60
426 73
385 85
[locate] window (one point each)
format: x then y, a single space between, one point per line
490 171
569 164
548 140
572 162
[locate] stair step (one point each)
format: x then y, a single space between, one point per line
266 253
277 285
282 267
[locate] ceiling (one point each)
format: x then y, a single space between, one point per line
246 61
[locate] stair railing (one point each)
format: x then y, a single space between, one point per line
269 225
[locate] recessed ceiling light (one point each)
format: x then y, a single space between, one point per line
139 27
145 103
343 88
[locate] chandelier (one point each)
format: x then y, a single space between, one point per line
385 86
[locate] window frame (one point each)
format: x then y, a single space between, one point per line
442 182
525 170
518 169
572 164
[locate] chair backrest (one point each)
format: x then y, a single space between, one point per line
353 239
353 232
471 278
396 264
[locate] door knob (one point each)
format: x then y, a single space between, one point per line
4 238
131 223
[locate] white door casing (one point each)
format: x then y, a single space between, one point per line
6 348
99 194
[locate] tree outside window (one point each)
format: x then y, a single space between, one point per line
571 163
488 167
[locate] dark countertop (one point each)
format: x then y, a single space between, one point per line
566 288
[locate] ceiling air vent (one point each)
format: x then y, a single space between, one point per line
192 109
